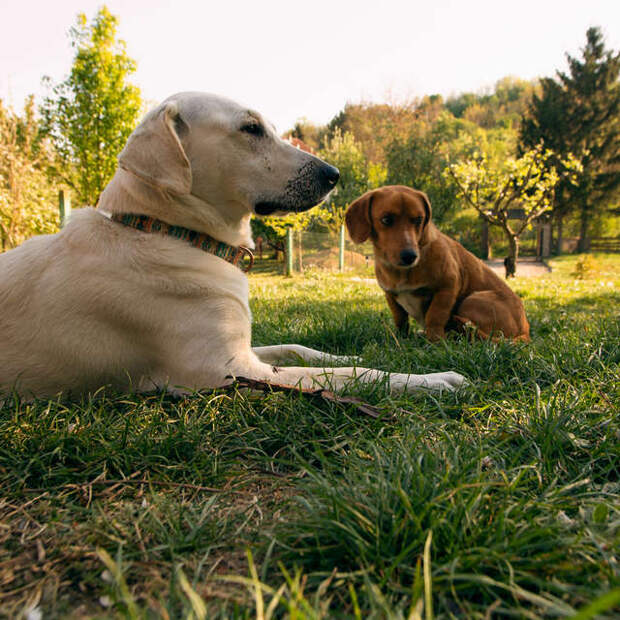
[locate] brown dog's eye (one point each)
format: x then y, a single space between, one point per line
253 128
387 220
416 221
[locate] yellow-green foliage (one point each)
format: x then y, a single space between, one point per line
586 267
92 112
356 177
27 198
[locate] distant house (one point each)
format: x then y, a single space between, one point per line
300 144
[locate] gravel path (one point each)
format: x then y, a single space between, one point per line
526 267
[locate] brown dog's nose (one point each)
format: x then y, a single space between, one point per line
407 257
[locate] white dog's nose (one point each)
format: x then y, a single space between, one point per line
330 174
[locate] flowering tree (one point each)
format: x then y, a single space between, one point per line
495 187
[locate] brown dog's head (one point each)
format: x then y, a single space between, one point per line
396 218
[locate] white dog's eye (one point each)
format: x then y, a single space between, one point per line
253 128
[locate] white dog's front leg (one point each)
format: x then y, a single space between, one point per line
339 378
282 353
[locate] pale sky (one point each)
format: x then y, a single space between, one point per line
292 59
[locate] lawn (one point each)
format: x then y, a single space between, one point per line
501 500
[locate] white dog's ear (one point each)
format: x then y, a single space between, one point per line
155 154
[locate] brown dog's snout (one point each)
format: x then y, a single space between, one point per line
408 256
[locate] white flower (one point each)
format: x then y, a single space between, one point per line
105 601
34 613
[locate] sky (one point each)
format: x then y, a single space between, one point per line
291 59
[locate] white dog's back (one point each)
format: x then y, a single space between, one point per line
100 303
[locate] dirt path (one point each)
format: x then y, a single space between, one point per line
526 267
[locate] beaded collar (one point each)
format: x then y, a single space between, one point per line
230 253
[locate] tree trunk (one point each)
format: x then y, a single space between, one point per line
510 262
560 228
582 245
484 239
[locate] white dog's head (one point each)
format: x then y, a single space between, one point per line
227 156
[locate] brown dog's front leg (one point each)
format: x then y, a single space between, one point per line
438 313
401 318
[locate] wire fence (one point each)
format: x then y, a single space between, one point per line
317 250
306 250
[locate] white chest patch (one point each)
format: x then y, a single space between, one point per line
413 306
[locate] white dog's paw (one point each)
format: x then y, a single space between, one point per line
436 381
449 381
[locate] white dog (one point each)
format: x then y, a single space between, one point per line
165 306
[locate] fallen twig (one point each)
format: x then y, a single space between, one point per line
320 394
138 481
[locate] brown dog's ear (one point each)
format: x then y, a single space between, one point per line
428 211
155 154
357 218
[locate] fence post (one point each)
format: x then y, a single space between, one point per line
341 249
300 252
64 206
289 251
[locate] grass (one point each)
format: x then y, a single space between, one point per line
499 501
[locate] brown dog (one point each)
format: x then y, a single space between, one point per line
426 274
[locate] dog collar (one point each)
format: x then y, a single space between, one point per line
230 253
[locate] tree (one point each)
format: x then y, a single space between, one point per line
278 225
27 198
356 177
419 159
548 122
497 188
373 126
91 114
306 131
579 113
503 107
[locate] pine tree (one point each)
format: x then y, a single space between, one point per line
578 113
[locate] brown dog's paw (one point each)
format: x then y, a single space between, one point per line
435 333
